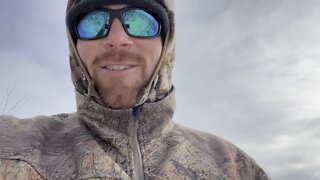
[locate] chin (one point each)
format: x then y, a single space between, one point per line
118 102
119 98
120 93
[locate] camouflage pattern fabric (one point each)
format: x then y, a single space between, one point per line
17 170
96 145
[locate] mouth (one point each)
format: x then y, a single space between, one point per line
119 67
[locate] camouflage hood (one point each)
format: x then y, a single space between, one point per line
160 83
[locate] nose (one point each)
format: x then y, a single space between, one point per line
117 37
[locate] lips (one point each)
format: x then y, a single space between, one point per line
118 67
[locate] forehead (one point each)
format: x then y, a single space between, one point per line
116 6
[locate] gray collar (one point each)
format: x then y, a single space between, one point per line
154 119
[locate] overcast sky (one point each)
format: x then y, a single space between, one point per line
247 71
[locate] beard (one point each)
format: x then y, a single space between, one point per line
120 92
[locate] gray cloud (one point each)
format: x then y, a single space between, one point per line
251 75
34 57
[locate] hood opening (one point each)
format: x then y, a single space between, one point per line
160 83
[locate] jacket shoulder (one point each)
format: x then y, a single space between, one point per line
32 129
21 123
228 157
6 119
19 170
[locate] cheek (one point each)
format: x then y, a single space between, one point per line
81 50
85 51
156 52
158 47
154 49
87 54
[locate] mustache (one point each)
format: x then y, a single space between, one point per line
118 56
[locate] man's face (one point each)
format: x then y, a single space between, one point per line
120 65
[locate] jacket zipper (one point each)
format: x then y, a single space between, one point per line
137 159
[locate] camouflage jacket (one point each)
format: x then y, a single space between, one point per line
117 144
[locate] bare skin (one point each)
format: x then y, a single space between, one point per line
120 65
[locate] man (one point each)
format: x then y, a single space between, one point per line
121 56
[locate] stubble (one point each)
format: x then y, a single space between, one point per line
120 93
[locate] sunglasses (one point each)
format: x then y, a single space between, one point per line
136 22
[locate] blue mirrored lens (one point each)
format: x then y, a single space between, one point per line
94 25
140 23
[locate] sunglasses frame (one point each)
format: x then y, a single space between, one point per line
115 13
